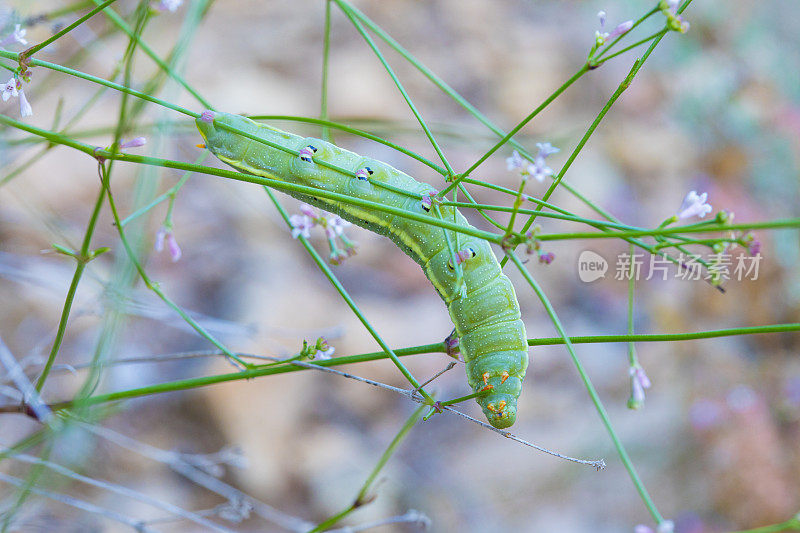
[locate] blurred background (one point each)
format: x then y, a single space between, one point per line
716 110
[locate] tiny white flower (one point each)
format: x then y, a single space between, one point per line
336 225
10 89
25 108
133 143
546 149
324 354
515 161
169 5
694 204
19 34
539 169
639 382
602 36
666 526
301 226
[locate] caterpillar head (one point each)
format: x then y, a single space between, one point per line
500 409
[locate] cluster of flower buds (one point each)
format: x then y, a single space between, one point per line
319 350
639 382
334 227
534 245
165 236
674 21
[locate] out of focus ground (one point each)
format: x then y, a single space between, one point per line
716 110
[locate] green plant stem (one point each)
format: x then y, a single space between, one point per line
793 524
81 261
33 49
345 7
100 81
786 223
239 176
154 286
613 43
437 347
120 23
363 496
555 94
601 411
349 300
631 287
326 52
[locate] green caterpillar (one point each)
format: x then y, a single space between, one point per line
479 297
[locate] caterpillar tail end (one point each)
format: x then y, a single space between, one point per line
500 409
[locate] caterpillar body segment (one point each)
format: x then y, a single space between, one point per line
485 311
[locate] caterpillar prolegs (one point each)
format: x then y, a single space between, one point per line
479 297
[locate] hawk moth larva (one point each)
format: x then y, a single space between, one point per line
484 310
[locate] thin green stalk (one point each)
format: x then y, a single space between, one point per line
326 52
349 300
60 12
631 47
345 7
613 43
437 347
601 411
94 152
358 132
785 223
631 287
363 496
154 286
169 194
100 81
502 142
120 23
793 524
82 259
33 49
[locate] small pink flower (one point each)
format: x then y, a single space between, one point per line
166 236
133 143
301 226
754 248
169 5
309 211
639 382
547 258
335 226
172 246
